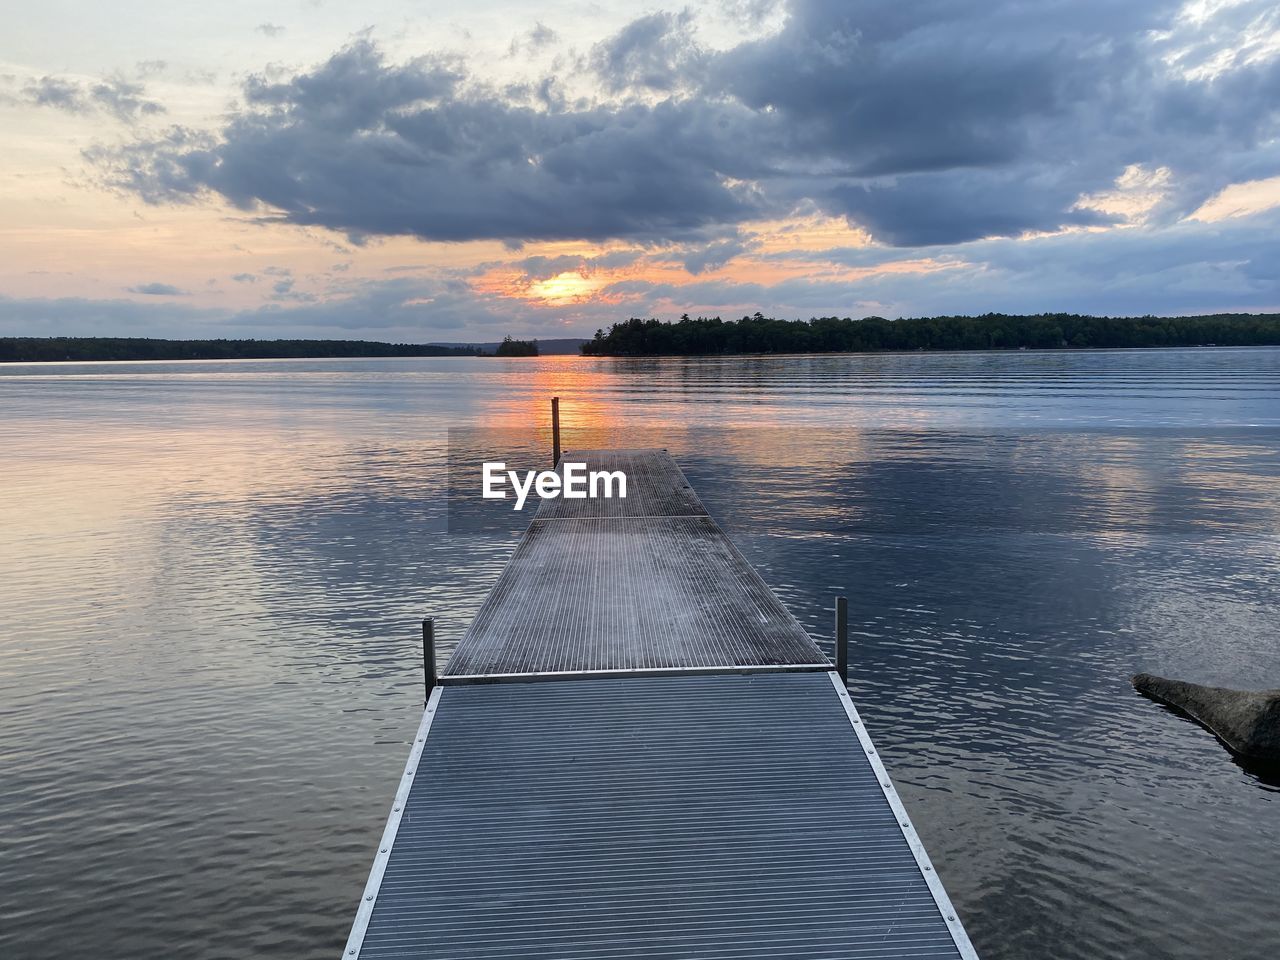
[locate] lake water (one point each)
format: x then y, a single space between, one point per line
211 577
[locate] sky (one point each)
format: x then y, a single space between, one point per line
458 171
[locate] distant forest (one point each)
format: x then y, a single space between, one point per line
28 349
992 331
516 348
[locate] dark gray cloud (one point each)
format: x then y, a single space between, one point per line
699 258
953 206
950 121
656 53
158 290
926 123
367 147
123 99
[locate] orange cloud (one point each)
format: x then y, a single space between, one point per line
593 284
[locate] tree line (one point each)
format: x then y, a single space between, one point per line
991 331
29 349
516 348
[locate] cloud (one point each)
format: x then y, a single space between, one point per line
541 35
925 208
370 148
1184 268
656 52
712 256
158 290
1189 267
543 268
123 99
270 29
283 290
924 124
56 92
533 41
423 305
82 316
751 13
412 309
1241 200
948 122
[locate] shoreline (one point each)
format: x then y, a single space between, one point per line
6 362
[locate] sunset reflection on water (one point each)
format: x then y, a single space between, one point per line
213 573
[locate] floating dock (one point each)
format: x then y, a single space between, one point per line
636 751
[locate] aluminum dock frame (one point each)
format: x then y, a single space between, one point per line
636 751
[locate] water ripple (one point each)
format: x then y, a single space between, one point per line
213 575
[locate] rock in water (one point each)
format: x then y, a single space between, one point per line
1247 721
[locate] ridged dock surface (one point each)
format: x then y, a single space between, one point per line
688 778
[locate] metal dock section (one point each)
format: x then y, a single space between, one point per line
689 778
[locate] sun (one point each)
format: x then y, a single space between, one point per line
568 287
